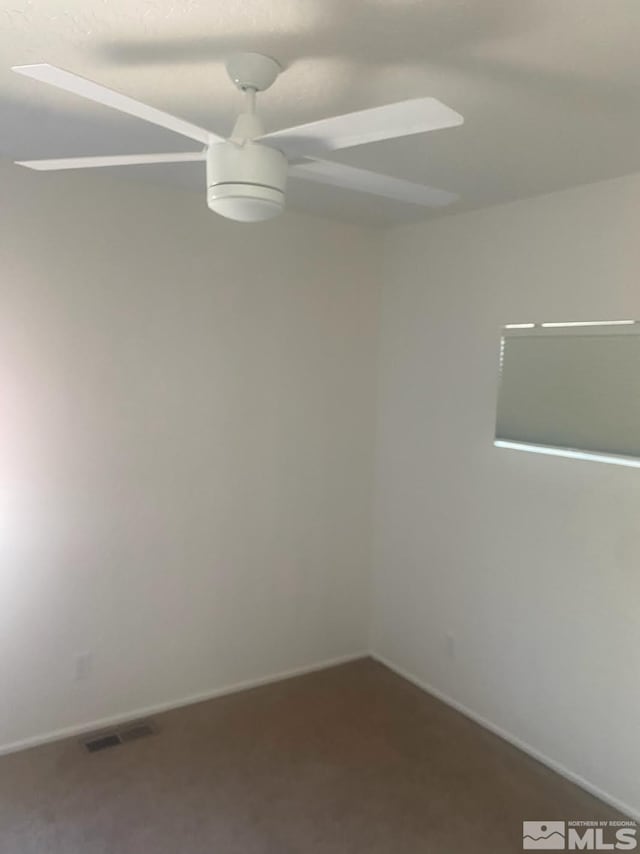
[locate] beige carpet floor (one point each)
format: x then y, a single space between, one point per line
351 760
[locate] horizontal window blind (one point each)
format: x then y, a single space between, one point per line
575 388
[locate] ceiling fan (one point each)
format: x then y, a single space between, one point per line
246 174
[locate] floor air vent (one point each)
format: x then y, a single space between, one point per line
102 742
121 735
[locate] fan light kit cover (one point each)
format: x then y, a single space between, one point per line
247 173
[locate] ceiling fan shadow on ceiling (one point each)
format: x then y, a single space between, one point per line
247 173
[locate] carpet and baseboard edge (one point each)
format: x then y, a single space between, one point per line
107 722
562 770
157 708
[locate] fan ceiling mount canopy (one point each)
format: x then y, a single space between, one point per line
247 173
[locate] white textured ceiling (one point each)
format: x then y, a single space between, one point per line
550 89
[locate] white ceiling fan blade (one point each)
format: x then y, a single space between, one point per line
403 118
116 160
350 178
94 92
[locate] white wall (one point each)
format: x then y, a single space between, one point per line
186 437
185 446
531 563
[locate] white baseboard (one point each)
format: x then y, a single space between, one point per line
626 809
114 720
135 714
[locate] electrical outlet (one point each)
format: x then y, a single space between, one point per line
83 665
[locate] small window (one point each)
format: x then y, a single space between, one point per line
571 389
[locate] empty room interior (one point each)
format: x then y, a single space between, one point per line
319 426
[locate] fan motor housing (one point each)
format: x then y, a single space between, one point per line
246 181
